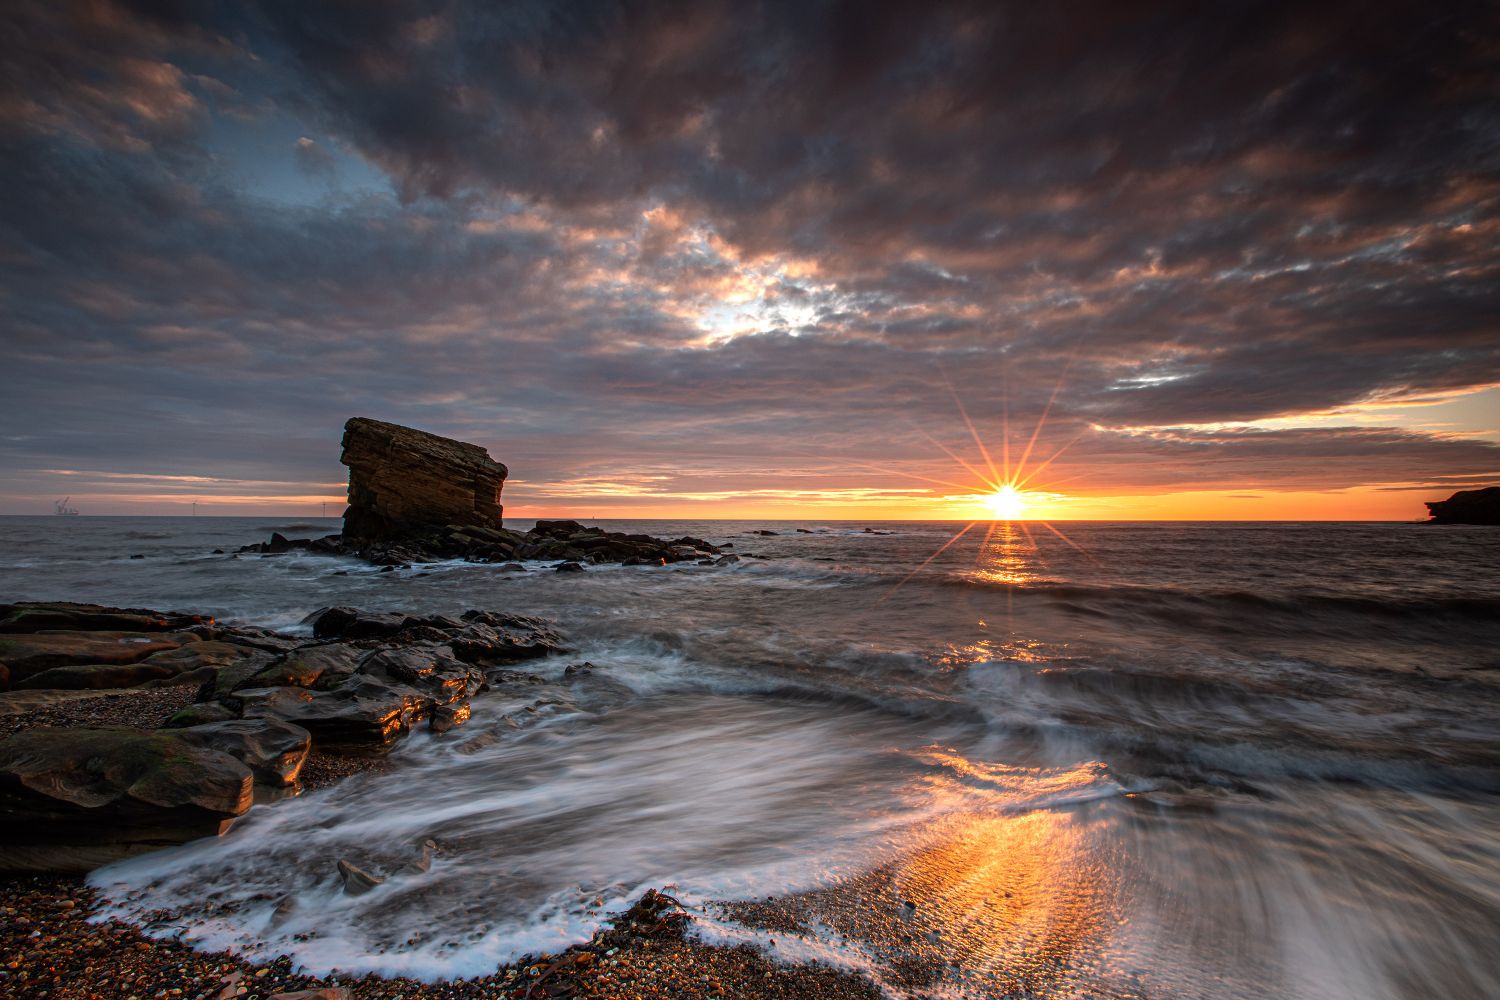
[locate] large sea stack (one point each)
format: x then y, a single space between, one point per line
416 497
404 483
1467 507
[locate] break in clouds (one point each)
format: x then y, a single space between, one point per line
701 250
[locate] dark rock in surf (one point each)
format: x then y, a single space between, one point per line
363 713
352 623
429 669
273 751
1467 507
489 638
416 497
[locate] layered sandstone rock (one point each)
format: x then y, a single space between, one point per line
72 799
1467 507
75 798
417 497
405 482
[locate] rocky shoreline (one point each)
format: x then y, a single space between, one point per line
126 780
183 723
572 545
126 730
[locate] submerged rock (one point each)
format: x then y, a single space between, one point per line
423 863
446 717
405 482
1467 507
356 880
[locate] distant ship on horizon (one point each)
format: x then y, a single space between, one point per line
62 508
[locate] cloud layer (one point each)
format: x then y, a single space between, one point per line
709 249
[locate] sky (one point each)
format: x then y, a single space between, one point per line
808 260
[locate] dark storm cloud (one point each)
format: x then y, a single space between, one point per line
725 238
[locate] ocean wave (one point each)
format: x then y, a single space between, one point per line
1084 596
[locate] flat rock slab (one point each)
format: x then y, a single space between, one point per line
193 662
98 677
26 654
38 616
71 799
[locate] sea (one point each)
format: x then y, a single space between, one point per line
1003 759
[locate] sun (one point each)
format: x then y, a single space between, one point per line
1007 503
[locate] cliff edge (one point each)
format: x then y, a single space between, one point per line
1467 507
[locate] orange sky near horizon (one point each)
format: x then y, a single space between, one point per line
1394 502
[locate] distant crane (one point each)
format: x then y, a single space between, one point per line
61 507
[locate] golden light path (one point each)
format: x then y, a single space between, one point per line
1019 897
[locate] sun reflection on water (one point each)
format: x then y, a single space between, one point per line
1018 902
1012 889
1008 555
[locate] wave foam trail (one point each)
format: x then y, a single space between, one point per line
539 834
